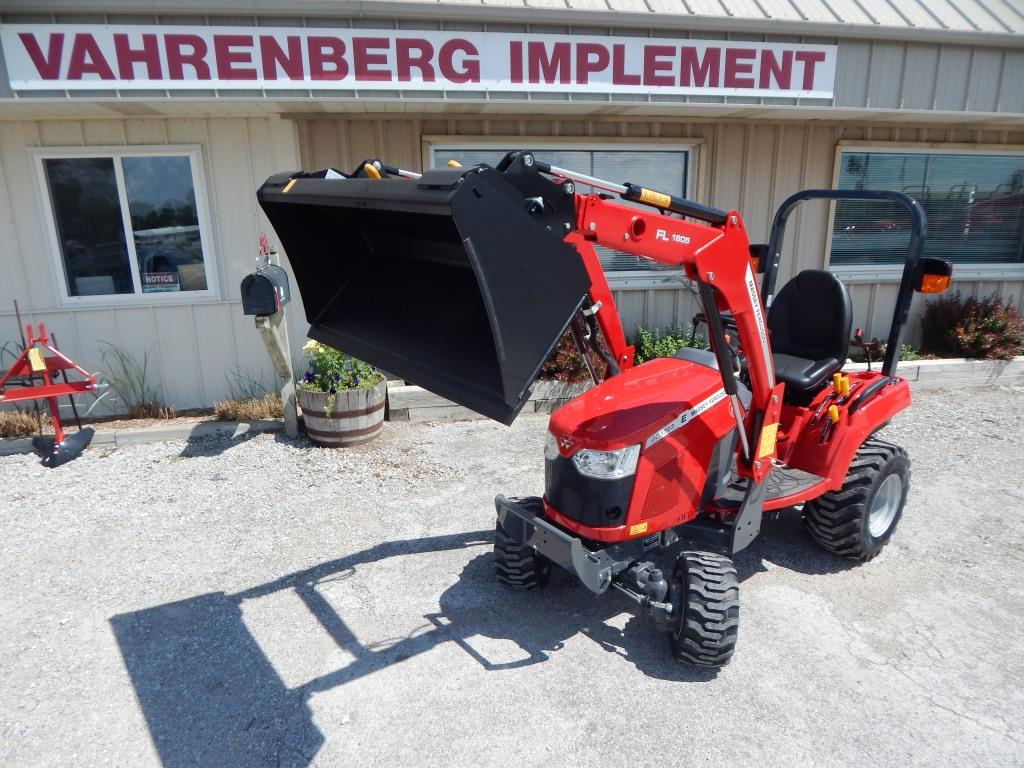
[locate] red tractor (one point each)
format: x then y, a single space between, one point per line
462 280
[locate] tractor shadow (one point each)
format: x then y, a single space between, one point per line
212 697
784 542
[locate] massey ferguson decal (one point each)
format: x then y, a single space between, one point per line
685 417
66 57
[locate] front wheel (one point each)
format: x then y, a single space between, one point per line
857 520
517 566
705 597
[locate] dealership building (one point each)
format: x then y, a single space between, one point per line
133 137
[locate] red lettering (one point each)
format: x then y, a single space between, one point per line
590 58
363 58
515 61
469 72
273 56
405 59
738 62
87 59
228 58
128 57
47 66
541 68
619 76
655 63
696 71
809 59
771 68
178 59
324 51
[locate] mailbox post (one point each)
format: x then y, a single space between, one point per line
265 293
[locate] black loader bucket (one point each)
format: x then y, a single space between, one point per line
455 281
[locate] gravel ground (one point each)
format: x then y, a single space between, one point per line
260 602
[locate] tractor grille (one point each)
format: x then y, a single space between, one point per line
595 503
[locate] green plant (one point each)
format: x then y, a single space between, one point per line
129 380
877 352
244 385
664 342
908 352
332 371
986 328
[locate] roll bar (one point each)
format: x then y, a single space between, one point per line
919 228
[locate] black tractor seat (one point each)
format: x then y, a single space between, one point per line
810 322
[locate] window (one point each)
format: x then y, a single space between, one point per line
974 202
666 170
128 223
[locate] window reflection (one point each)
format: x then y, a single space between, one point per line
165 223
90 231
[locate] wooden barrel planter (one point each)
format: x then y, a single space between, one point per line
357 416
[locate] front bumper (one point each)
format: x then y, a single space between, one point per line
523 519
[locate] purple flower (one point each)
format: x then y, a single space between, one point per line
334 391
337 377
309 377
355 380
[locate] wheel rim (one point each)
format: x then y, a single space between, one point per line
884 505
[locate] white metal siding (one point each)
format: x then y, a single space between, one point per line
195 347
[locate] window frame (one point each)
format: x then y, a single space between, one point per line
630 279
194 152
893 273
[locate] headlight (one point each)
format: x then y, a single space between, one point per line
607 465
550 448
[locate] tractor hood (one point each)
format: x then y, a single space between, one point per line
635 406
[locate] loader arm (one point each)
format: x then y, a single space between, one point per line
717 259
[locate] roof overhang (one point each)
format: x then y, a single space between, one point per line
576 17
304 107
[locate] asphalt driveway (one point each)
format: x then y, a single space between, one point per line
263 603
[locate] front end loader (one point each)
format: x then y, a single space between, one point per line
462 280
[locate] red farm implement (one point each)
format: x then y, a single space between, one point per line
41 373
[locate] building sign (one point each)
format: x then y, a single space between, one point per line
72 57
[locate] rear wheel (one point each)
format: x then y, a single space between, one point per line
518 567
705 597
857 520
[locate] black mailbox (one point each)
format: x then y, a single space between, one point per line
265 291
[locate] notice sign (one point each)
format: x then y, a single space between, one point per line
65 57
158 282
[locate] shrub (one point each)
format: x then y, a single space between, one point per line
986 328
877 350
664 343
129 381
566 363
249 408
19 423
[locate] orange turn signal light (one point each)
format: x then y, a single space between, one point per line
934 283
